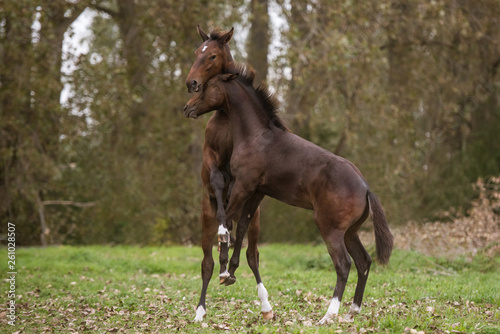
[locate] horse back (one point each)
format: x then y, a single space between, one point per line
299 172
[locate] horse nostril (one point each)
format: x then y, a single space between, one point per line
194 86
191 85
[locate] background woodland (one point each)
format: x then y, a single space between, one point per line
407 90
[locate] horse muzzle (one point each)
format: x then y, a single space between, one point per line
190 112
193 86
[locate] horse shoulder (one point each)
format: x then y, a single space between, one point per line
247 162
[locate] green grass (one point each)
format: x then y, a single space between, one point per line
139 290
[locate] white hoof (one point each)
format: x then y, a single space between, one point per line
266 309
333 310
348 318
224 277
200 313
268 315
324 320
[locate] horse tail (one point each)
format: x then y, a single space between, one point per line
384 241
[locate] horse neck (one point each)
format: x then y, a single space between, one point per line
246 114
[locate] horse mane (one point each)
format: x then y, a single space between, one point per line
216 33
269 101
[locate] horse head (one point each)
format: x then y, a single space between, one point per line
212 57
211 97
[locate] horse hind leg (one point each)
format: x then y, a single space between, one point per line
363 261
334 240
253 262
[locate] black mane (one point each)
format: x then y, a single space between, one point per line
246 75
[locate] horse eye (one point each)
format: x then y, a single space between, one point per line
213 57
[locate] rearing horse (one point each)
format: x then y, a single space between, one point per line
214 57
269 160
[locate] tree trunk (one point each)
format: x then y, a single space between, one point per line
258 39
132 34
300 101
397 52
30 77
16 61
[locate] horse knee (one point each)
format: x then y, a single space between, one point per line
217 180
220 216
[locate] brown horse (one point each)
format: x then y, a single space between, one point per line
269 160
214 57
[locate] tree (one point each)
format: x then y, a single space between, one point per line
395 87
31 98
259 38
405 90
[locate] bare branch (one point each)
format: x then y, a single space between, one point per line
108 11
72 203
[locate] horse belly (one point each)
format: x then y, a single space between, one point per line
287 190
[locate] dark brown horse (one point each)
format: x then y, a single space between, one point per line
214 57
269 160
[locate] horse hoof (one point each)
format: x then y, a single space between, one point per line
326 321
348 318
268 315
230 280
200 313
223 277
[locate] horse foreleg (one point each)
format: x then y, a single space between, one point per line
223 259
247 213
209 228
217 182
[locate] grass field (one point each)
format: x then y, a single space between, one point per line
140 290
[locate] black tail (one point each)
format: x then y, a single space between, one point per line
384 241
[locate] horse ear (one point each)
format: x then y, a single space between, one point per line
229 77
224 39
203 34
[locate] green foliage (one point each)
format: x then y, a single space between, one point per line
119 156
98 289
404 89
